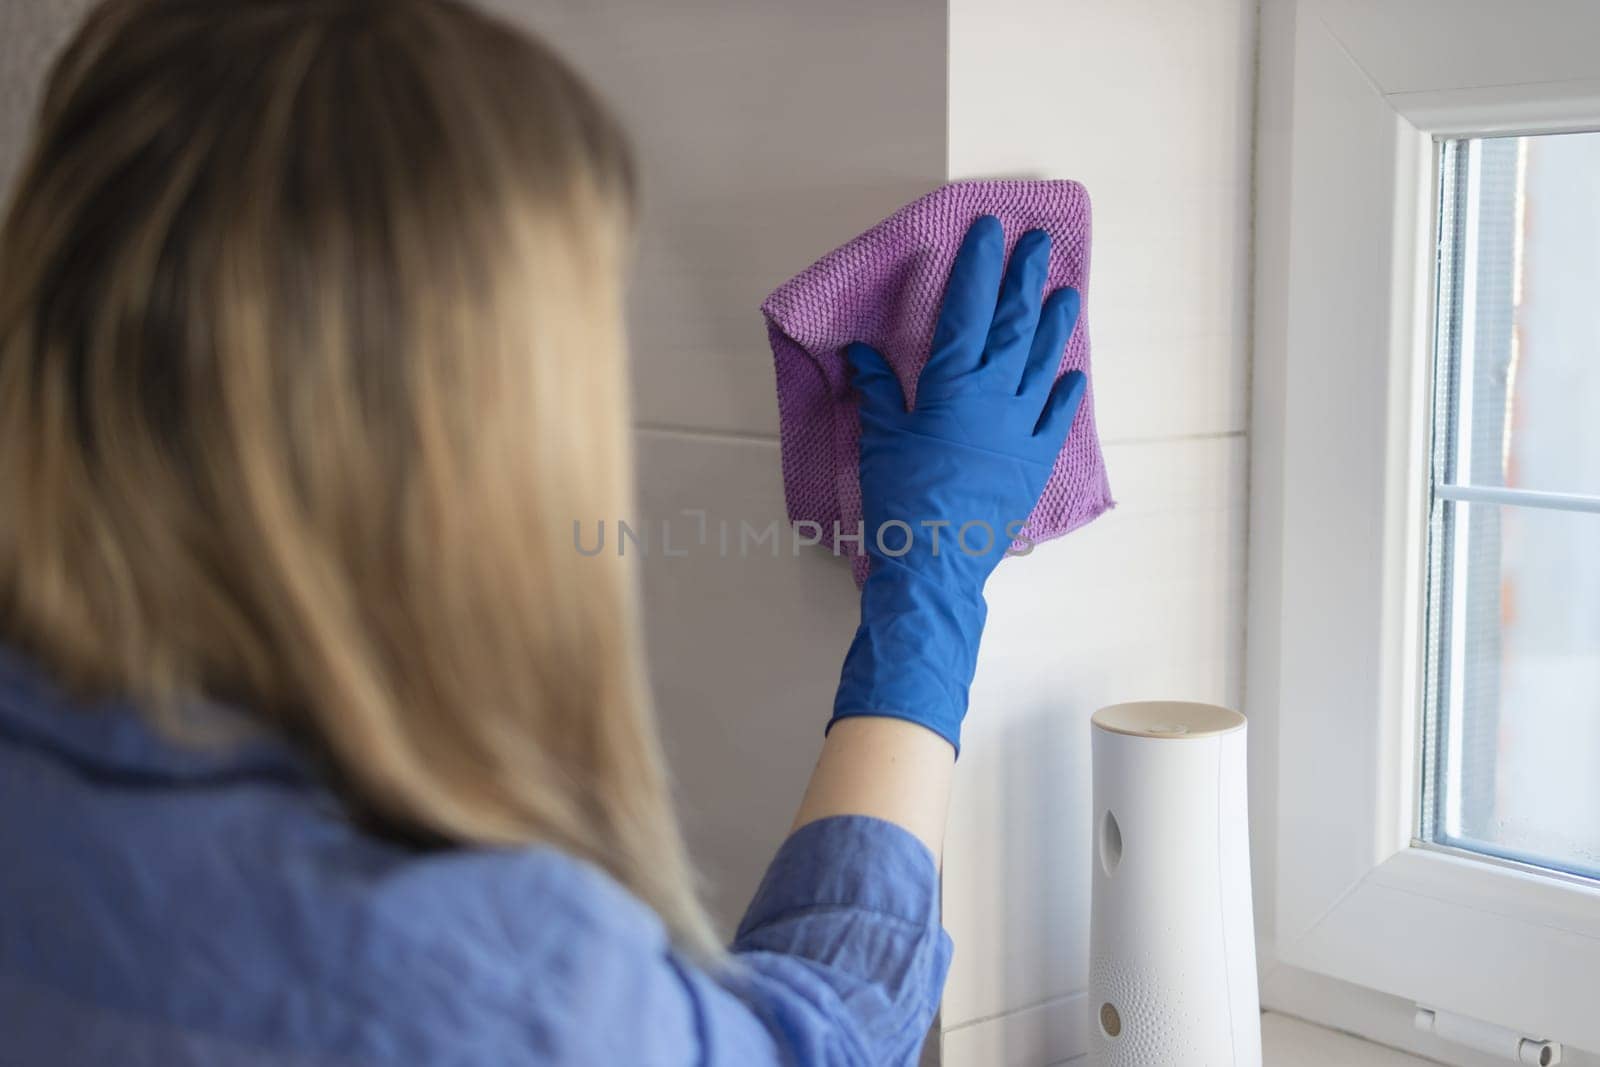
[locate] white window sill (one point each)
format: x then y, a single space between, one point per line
1290 1042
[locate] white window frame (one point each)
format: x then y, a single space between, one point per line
1346 213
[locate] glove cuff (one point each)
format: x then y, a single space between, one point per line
914 653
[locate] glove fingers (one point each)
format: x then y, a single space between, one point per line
1016 313
1056 323
872 377
969 302
1062 407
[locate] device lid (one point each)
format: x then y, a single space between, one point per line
1168 719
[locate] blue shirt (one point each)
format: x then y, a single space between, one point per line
166 905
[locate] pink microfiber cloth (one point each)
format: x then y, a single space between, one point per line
885 288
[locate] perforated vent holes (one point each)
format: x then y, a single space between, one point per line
1150 1019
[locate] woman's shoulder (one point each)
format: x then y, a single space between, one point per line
505 909
247 818
237 902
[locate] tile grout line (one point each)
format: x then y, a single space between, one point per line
1174 438
692 433
1046 1003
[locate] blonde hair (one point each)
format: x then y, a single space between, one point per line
311 353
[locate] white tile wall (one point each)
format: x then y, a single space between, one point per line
30 37
1149 103
1145 603
744 650
768 132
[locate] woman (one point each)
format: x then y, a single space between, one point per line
319 744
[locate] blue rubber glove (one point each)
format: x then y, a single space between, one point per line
946 488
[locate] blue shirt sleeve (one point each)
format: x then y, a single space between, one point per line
840 961
841 952
173 909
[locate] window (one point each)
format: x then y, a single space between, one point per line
1511 746
1423 653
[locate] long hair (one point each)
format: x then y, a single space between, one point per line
311 353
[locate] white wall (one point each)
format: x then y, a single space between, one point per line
771 132
768 132
776 133
1149 103
30 36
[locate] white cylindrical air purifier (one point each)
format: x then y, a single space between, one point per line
1172 957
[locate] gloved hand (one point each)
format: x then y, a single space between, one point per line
945 488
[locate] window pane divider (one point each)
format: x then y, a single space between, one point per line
1524 498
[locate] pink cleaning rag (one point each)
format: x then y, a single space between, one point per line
885 288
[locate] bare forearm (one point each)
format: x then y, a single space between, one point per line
887 768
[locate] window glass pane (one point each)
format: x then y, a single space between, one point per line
1511 746
1555 399
1519 738
1529 314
